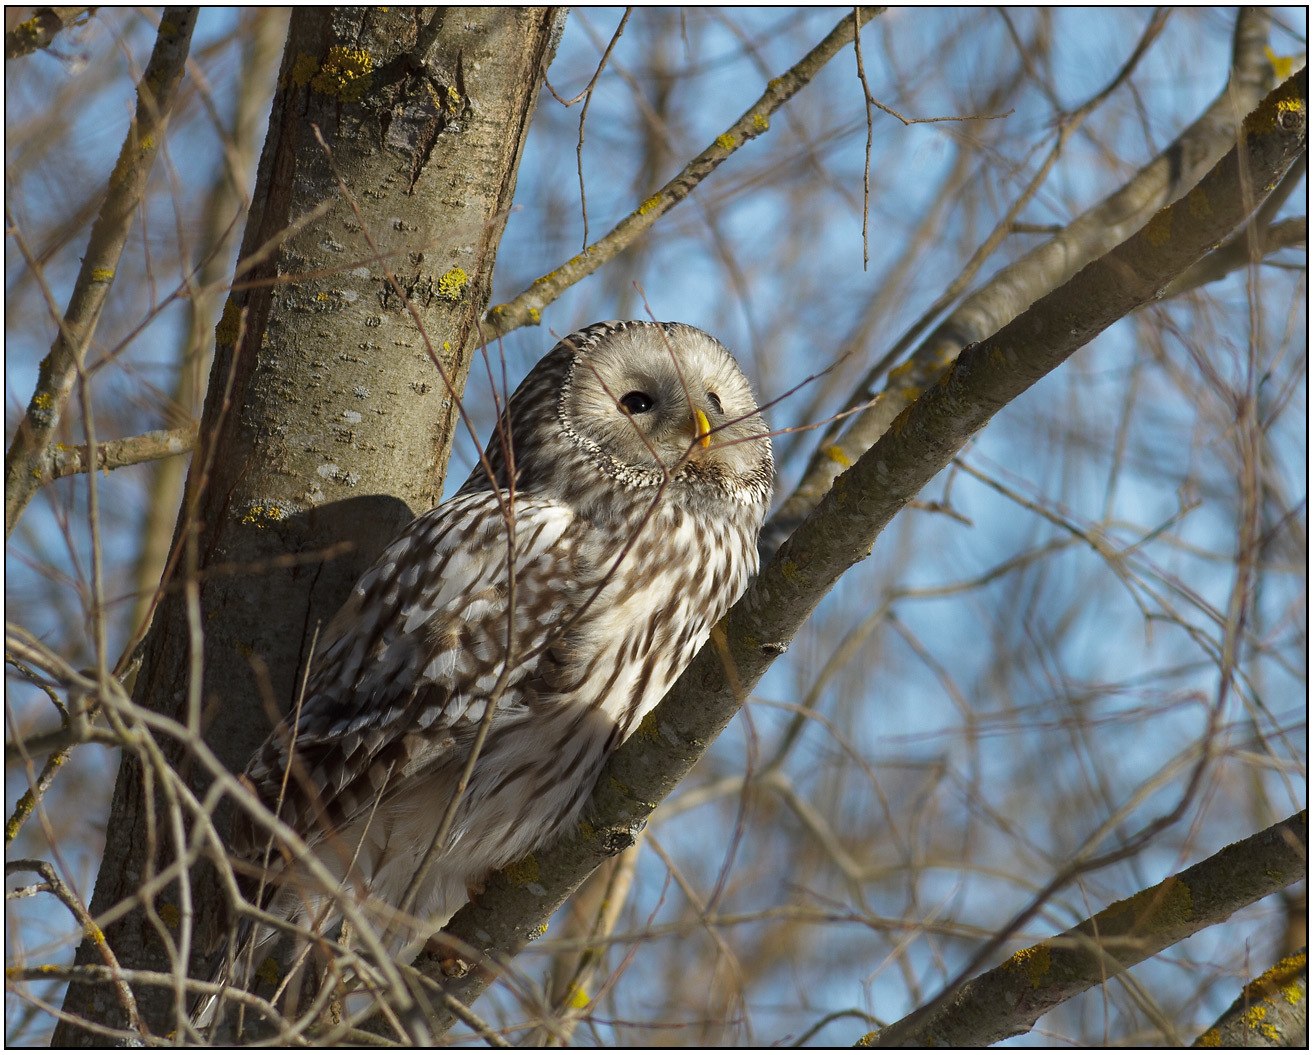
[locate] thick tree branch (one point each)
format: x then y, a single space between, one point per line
109 235
1164 179
1271 1012
1007 1001
42 28
841 530
525 309
1253 242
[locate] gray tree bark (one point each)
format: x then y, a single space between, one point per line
382 192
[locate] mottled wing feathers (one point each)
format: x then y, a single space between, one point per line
412 659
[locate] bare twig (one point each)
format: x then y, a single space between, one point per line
62 460
90 931
42 28
127 184
841 530
1042 269
526 308
1007 1001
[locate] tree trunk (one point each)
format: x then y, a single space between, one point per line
382 193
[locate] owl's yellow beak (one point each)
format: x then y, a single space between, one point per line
702 428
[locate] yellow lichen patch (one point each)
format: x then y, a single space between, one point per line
760 123
900 423
262 513
1164 905
454 99
1197 204
535 316
28 34
648 727
538 931
1283 65
836 454
1159 229
1033 963
1159 909
102 274
649 205
452 284
230 325
345 74
1265 118
1254 1016
268 971
579 997
726 141
1210 1038
43 401
523 871
1291 106
321 296
303 69
170 915
1283 977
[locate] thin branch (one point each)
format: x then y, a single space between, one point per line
1007 1001
1181 164
41 29
842 529
127 184
62 460
90 931
525 309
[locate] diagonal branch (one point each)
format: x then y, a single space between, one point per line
1271 1012
525 308
109 235
1178 167
1006 1001
41 29
841 530
62 460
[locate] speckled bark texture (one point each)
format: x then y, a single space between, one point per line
384 185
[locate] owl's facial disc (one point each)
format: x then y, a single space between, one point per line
665 399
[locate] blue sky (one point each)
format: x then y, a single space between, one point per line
785 212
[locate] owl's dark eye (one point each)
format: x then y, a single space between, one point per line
715 400
637 402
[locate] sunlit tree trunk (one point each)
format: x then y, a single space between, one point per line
382 193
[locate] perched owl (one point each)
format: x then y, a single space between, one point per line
611 523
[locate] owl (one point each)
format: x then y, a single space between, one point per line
515 635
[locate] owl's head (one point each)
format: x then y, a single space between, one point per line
665 404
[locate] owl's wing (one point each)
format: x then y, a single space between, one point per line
413 658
